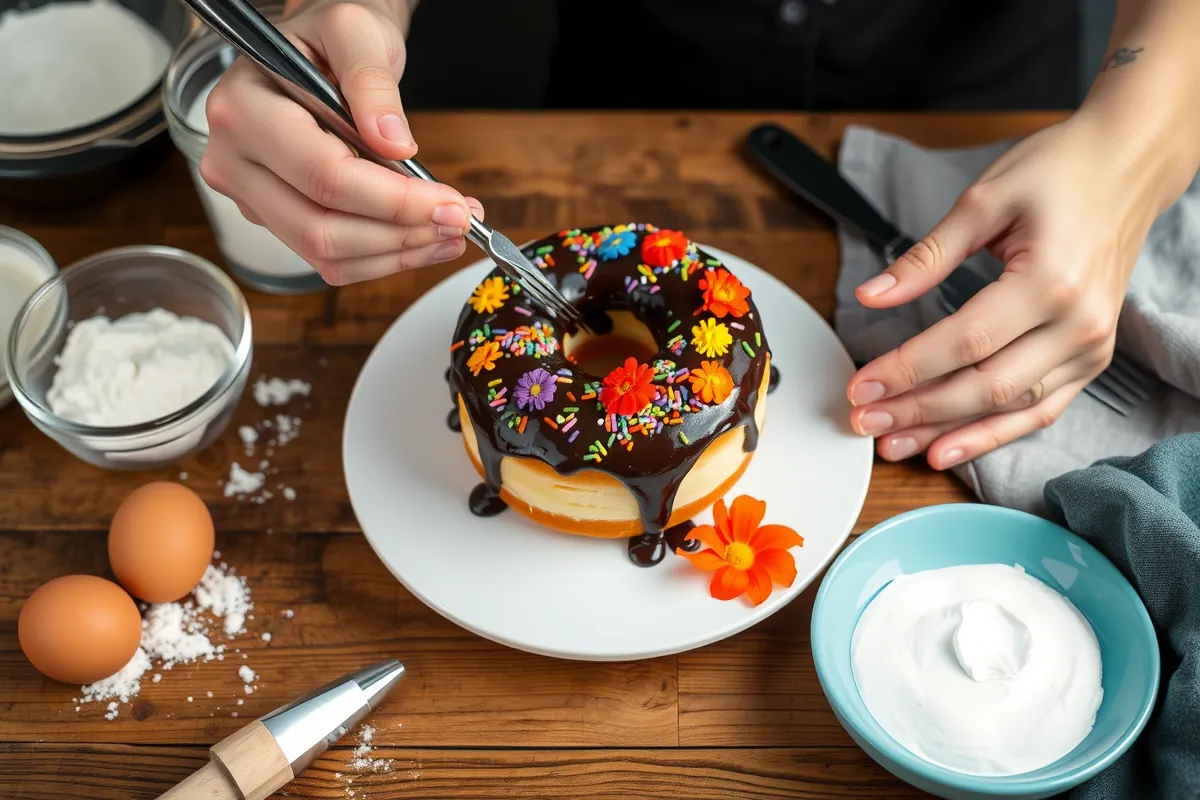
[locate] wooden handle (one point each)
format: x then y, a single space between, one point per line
247 765
210 782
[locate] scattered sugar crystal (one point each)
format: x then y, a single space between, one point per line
289 493
183 476
240 701
189 698
266 637
157 677
216 555
248 688
112 711
209 694
361 755
248 434
246 674
289 613
276 391
241 482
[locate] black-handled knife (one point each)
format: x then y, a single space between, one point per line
803 170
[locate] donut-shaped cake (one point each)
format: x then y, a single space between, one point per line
633 428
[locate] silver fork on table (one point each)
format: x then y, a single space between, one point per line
258 40
1121 387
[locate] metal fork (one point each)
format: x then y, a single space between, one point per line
239 23
1120 387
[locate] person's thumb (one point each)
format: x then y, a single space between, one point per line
974 220
368 59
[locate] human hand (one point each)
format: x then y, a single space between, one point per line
351 219
1067 212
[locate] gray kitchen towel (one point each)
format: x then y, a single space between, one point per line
1159 325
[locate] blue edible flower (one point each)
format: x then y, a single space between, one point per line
618 243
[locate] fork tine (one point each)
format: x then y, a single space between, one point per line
1097 392
1131 367
1110 384
1120 372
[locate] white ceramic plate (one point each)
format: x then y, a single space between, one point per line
512 581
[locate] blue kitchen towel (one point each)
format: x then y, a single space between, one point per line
1143 513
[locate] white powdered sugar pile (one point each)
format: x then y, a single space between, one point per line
225 595
249 484
179 633
123 686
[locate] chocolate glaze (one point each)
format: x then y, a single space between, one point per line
773 381
650 549
453 421
485 503
653 469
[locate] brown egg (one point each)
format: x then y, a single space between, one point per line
79 629
160 541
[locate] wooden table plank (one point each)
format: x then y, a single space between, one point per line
125 772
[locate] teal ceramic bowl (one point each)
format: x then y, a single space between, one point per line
950 535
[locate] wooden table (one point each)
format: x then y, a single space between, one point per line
744 718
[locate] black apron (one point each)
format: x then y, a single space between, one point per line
816 54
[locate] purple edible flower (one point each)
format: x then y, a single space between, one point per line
535 389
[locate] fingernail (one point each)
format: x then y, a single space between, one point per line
448 250
449 233
450 215
874 422
395 129
953 457
902 447
878 285
867 392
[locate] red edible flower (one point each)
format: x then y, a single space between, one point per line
628 389
746 558
664 248
724 293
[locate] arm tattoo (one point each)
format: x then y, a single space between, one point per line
1121 57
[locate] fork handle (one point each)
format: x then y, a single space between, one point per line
240 23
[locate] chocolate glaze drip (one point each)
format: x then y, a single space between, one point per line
453 421
653 469
773 381
650 549
484 503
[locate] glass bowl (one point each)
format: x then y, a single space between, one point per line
114 283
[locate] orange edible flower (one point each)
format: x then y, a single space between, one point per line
712 383
747 558
628 389
664 248
484 357
489 296
724 293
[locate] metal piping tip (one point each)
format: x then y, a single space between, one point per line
378 680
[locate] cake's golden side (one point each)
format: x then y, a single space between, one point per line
593 503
